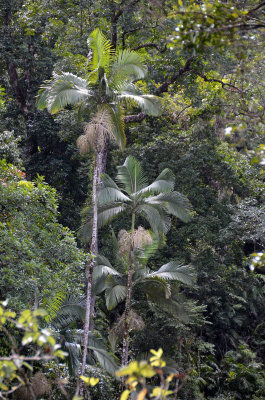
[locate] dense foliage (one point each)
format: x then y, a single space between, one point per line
204 62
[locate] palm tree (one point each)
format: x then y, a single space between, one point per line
154 202
154 285
109 85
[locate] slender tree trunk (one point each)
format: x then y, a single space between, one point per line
125 340
90 268
101 168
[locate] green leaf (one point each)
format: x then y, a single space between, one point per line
131 175
115 292
175 271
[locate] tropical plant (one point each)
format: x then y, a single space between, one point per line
70 315
154 285
154 202
109 84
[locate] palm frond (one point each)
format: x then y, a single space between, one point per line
107 212
171 306
148 103
62 90
175 203
128 65
102 54
164 183
118 126
73 357
103 268
156 217
107 361
143 255
115 292
131 175
71 310
109 192
153 286
175 271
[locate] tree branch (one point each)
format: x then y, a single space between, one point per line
257 7
165 85
149 44
224 84
135 118
114 20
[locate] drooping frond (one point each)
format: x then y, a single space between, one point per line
115 291
175 271
156 217
176 204
148 103
109 192
118 126
164 183
176 308
107 361
73 357
107 212
143 255
103 268
64 89
102 53
71 310
131 175
128 65
153 286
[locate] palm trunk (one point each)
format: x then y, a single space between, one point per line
101 168
90 268
126 337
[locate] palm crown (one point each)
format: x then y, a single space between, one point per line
109 84
154 202
154 284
